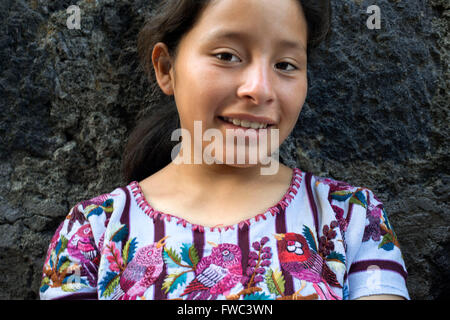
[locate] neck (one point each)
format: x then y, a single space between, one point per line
222 177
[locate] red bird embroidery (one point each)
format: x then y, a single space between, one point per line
304 264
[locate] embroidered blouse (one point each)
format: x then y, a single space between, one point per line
325 239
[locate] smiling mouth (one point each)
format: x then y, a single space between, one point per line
230 124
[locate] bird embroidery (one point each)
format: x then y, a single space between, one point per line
216 274
141 272
304 264
82 245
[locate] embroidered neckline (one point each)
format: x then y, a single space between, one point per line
142 203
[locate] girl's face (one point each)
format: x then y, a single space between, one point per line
243 57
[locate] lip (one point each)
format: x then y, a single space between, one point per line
250 118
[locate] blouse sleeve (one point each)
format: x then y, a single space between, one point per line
375 263
72 260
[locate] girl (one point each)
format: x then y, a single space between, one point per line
189 229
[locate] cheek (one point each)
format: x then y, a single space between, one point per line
297 99
200 92
214 85
293 104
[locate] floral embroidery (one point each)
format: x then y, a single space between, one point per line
53 243
60 272
259 259
94 208
343 223
341 191
356 197
275 283
378 227
372 230
188 259
389 237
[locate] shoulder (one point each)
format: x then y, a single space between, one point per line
96 211
340 192
333 184
361 216
76 246
352 206
103 204
372 250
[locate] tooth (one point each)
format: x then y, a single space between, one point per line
245 123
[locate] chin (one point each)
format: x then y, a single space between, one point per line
243 165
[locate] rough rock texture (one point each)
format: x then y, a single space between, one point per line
376 116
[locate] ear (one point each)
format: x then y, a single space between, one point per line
163 66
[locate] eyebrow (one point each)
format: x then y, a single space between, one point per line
245 37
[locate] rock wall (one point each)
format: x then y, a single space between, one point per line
376 116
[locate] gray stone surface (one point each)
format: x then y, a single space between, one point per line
376 116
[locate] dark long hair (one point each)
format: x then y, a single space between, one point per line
149 146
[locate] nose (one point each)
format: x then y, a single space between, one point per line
257 83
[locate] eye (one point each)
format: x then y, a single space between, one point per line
286 64
225 252
225 56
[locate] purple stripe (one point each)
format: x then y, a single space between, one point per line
280 227
361 266
244 244
349 214
280 221
312 202
199 242
79 296
125 217
368 200
159 234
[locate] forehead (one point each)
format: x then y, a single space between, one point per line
253 21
